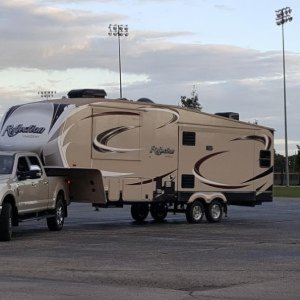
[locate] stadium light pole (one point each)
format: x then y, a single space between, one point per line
118 30
283 16
47 94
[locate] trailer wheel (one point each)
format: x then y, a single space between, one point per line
194 212
56 222
158 211
214 211
6 222
139 211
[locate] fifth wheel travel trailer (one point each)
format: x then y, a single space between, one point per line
156 158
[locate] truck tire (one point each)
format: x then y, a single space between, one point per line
194 212
158 211
139 211
6 222
56 222
214 211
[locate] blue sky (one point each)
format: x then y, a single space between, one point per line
229 50
244 23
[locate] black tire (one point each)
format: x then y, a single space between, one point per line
56 222
214 211
139 211
6 222
158 211
194 212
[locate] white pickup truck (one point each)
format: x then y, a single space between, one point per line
27 192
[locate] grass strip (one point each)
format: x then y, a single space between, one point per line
289 192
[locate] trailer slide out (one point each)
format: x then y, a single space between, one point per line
156 158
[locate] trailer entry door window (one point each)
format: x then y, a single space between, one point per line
188 138
265 159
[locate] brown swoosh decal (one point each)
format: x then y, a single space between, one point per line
113 113
263 174
153 179
210 182
101 140
266 140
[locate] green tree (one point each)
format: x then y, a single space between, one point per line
191 102
279 163
294 162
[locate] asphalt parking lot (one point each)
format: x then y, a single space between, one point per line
252 254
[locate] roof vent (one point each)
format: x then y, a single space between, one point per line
230 115
87 93
146 100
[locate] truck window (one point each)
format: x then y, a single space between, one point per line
34 161
22 165
6 164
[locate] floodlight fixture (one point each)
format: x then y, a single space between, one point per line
47 94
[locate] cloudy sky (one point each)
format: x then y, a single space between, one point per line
230 50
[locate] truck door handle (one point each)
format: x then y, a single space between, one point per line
45 182
33 184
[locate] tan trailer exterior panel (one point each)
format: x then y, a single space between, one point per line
148 153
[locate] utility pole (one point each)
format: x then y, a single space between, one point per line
283 16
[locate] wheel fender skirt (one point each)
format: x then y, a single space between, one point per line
207 197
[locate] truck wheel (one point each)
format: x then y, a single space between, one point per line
6 222
194 212
139 211
214 211
158 211
56 222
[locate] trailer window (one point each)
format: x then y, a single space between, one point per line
187 181
265 159
188 138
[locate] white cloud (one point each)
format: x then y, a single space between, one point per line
49 47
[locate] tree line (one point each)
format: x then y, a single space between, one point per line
294 163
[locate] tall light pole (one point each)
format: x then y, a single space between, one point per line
118 30
283 15
47 94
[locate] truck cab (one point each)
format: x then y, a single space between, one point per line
27 192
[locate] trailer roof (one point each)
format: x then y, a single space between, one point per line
99 101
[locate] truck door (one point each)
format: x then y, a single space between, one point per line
32 192
41 185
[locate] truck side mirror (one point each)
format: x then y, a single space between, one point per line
35 172
22 175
